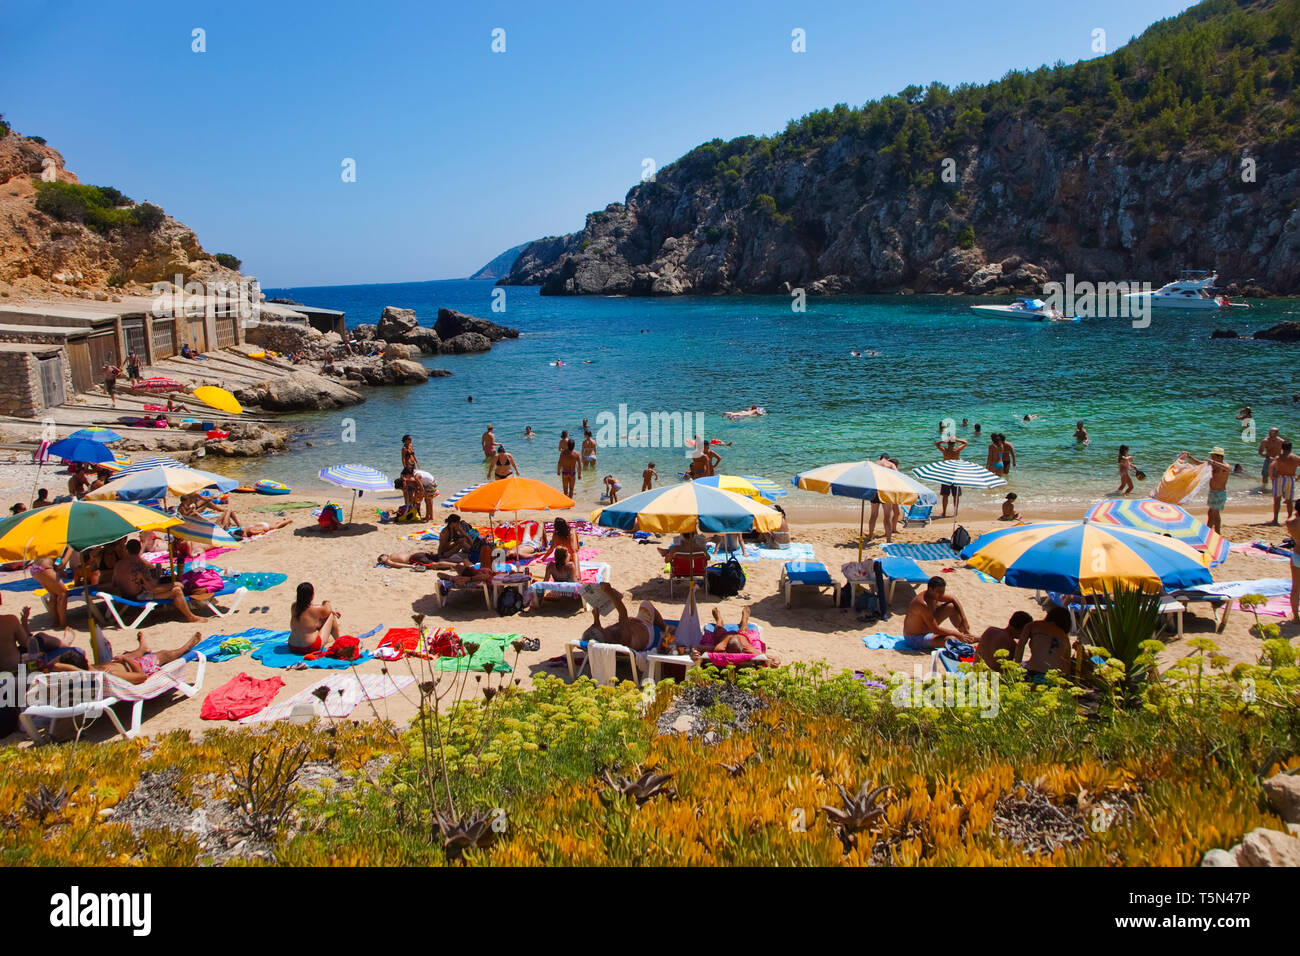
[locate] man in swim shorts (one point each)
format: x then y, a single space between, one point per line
638 632
133 578
922 630
1270 449
1220 471
1283 474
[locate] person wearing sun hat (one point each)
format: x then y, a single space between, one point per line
1219 472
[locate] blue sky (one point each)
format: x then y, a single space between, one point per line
461 152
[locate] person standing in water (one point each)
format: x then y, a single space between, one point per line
1220 471
1080 434
1125 461
569 467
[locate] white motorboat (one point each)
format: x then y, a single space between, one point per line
1026 310
1191 290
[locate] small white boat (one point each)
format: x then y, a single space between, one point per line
1028 310
1192 289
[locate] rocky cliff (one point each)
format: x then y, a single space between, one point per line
48 254
499 267
1176 151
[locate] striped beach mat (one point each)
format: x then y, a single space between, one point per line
451 502
920 552
345 692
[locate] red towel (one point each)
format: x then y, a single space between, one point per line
241 696
407 638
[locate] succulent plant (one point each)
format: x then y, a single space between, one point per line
862 811
646 786
459 835
45 802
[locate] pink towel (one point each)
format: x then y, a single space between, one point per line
1279 606
729 660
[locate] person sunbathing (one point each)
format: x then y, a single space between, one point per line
732 642
922 627
562 536
691 543
134 579
637 633
137 666
192 506
311 626
262 527
752 410
1048 641
560 569
416 559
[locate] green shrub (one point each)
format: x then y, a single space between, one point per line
100 207
966 236
227 260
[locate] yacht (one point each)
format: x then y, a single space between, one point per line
1028 310
1191 290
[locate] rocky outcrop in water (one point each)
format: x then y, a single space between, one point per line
451 324
301 390
1282 332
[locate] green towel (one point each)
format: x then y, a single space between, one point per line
286 506
491 648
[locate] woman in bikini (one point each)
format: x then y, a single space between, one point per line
503 466
46 572
562 537
311 625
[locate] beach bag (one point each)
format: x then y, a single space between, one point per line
444 642
510 602
960 538
725 580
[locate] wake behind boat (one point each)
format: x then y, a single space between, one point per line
1027 310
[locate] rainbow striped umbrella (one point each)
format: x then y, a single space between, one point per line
1161 517
1086 557
866 481
751 486
690 506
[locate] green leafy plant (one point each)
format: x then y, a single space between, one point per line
1124 626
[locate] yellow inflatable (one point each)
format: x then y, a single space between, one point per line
1180 481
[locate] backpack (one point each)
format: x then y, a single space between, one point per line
331 517
510 602
725 580
960 538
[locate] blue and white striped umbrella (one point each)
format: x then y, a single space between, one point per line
455 499
357 477
204 532
959 472
220 482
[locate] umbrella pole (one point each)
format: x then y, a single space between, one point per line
353 510
862 517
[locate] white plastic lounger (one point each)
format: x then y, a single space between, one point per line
569 588
90 694
113 602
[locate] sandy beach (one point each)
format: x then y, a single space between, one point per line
343 569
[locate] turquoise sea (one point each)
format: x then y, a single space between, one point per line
1160 389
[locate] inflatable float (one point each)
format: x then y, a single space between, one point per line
268 487
217 434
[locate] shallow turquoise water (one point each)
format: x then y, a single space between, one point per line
1161 389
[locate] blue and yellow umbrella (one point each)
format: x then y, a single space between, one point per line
1086 557
866 481
1161 517
751 486
690 506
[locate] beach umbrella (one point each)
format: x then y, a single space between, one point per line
82 450
44 533
690 506
751 486
358 478
158 482
219 399
96 433
866 481
515 494
1086 557
688 632
220 482
959 473
159 383
204 532
1161 517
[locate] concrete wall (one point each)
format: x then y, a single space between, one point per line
21 394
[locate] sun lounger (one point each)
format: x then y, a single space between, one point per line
443 589
807 574
568 588
116 606
1080 610
901 569
917 514
90 694
210 603
694 564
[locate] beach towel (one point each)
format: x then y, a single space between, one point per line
397 643
276 653
602 659
1249 549
589 530
491 650
210 647
881 641
239 697
798 550
920 552
285 506
986 578
1279 606
584 554
729 659
257 580
24 583
345 692
1269 587
1180 481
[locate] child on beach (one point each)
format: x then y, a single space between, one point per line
1009 512
612 488
1125 471
648 477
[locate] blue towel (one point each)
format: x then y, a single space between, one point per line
808 572
21 584
256 580
921 552
987 578
881 641
277 654
210 647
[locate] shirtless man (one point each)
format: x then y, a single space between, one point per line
1270 449
711 459
453 541
133 577
1283 474
1080 434
569 467
996 639
78 484
891 511
638 632
1008 456
312 627
1220 471
1293 527
1048 641
734 642
416 559
691 543
922 630
951 450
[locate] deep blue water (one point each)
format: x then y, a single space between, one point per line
1161 389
